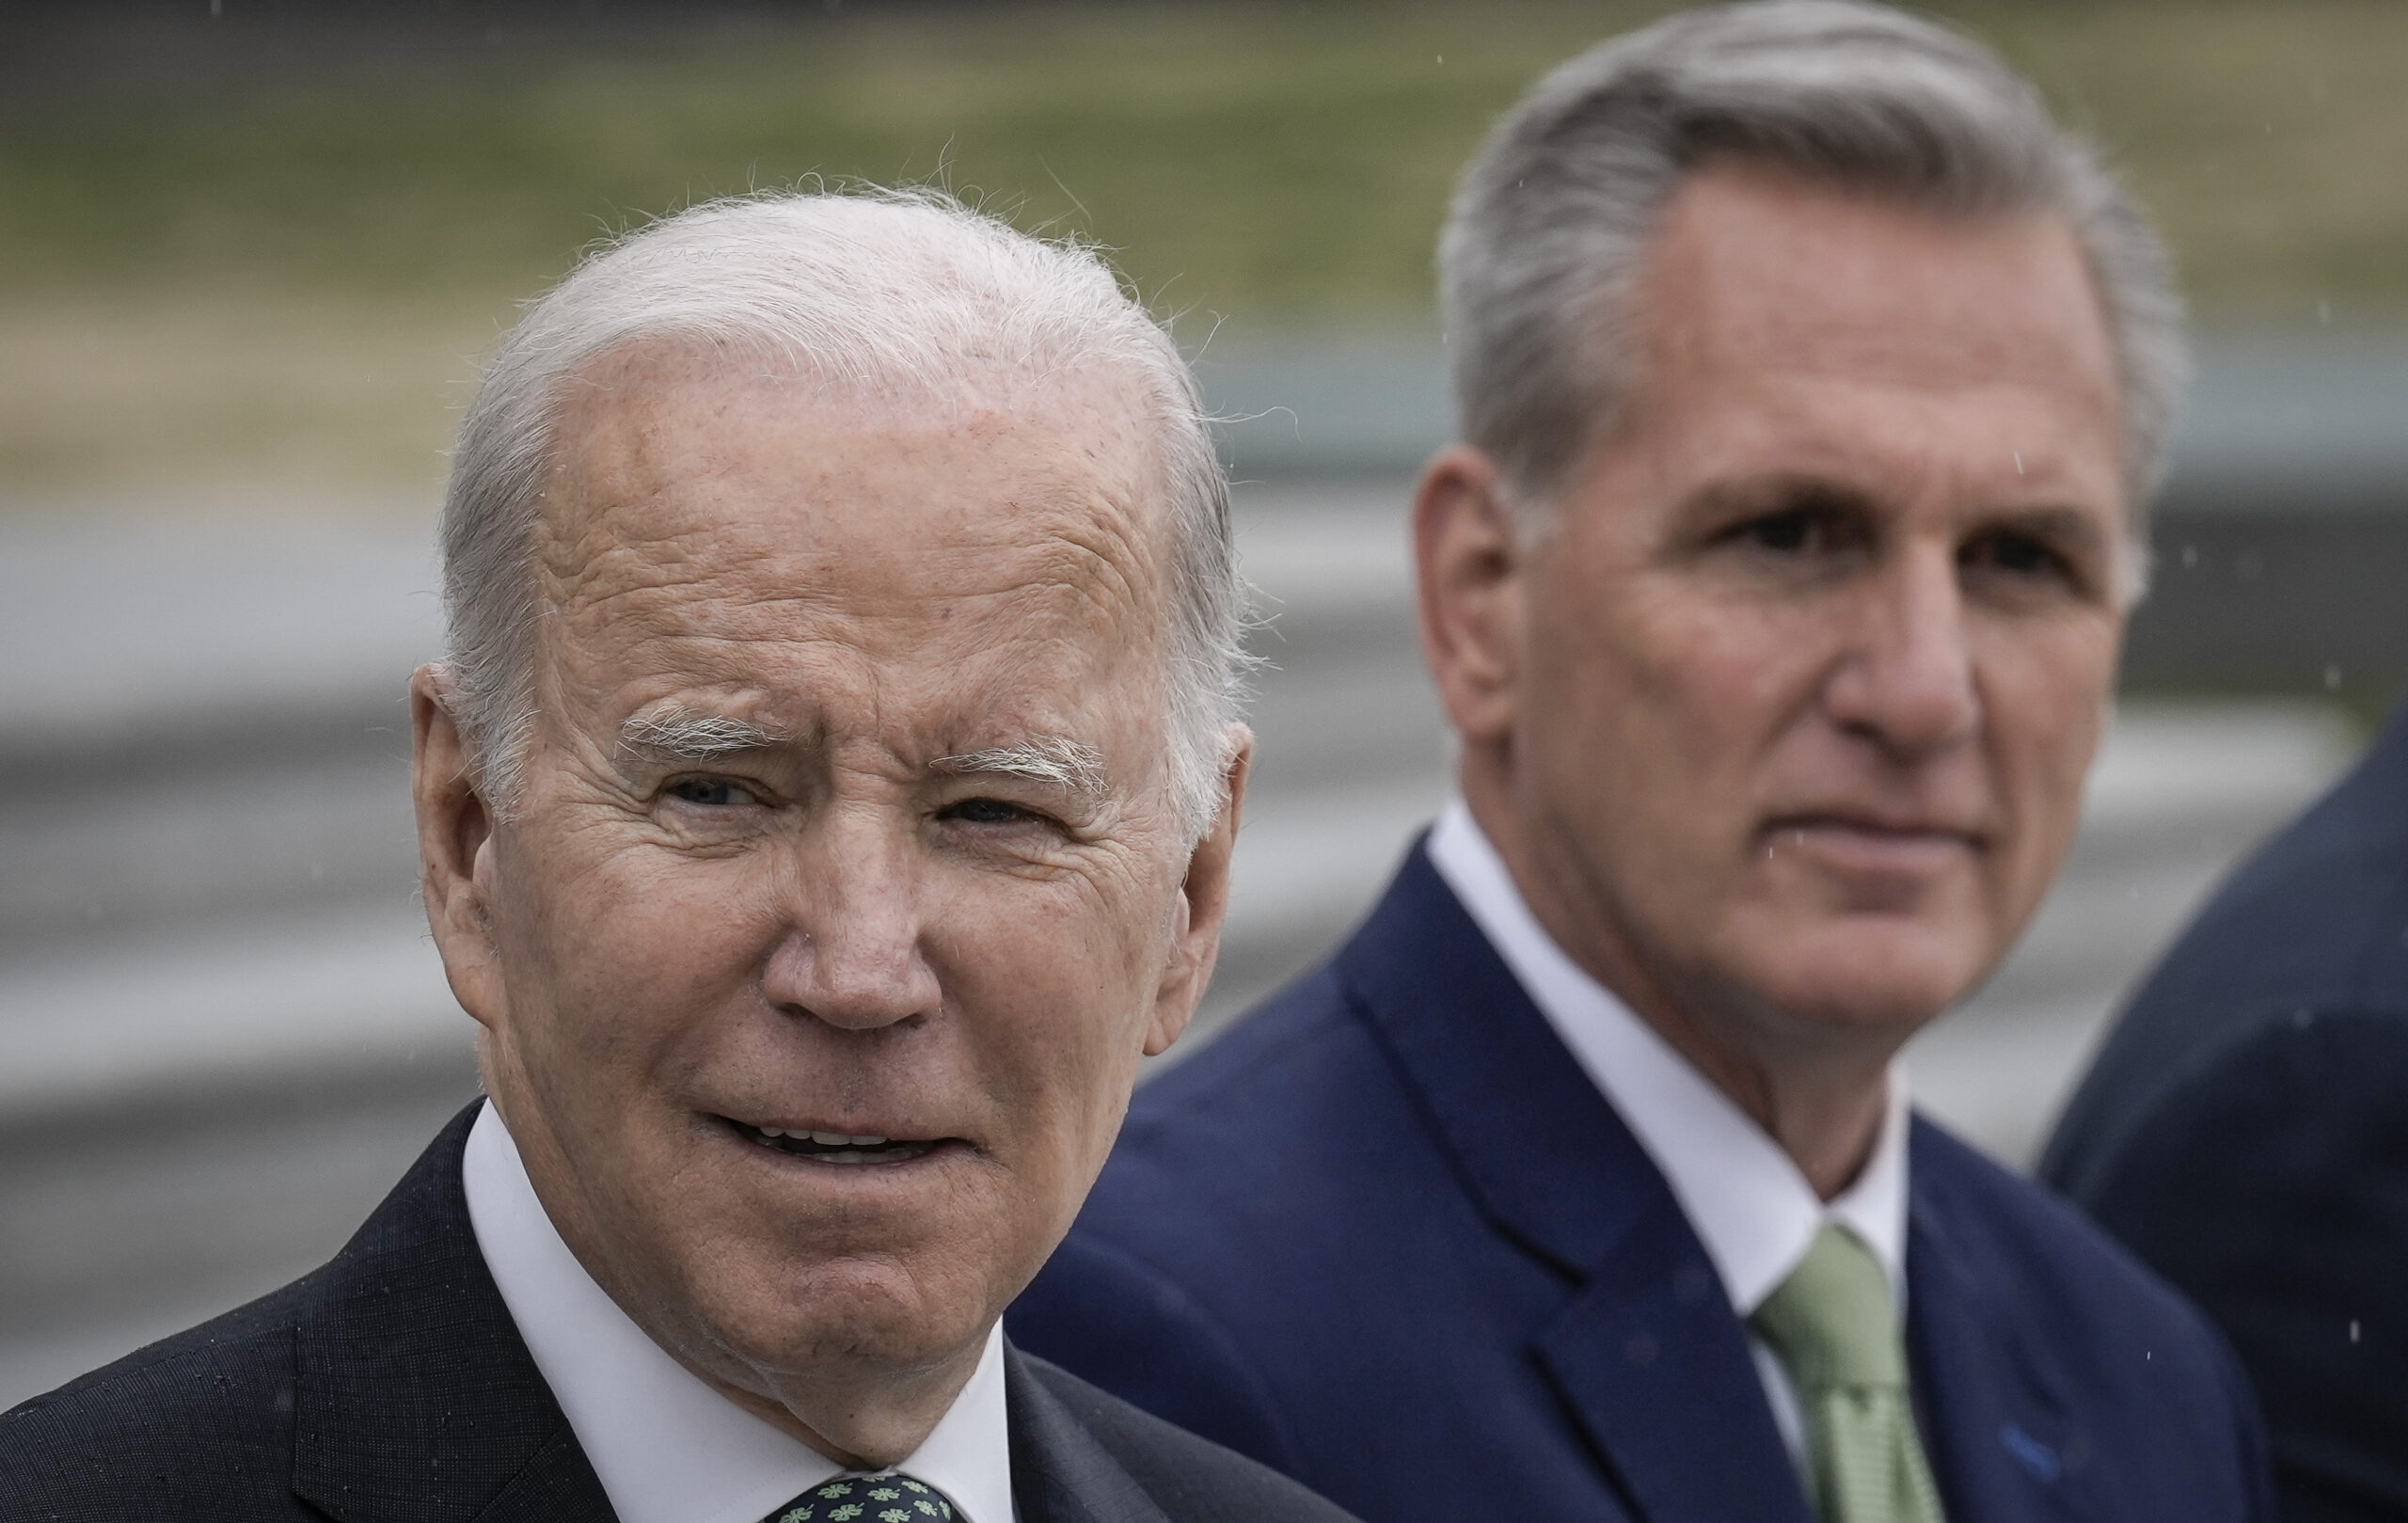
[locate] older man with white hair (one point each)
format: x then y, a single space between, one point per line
1811 384
827 800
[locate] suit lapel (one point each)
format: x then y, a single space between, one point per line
1645 1351
1060 1473
1994 1414
1651 1358
415 1397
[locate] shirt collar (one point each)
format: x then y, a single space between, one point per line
667 1446
1746 1198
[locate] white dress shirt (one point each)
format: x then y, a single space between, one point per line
668 1448
1751 1206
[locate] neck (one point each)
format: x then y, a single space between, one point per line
1820 1095
1828 1122
866 1424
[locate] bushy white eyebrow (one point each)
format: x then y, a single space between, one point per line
682 736
1055 760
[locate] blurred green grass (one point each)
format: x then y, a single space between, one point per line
1276 165
1239 157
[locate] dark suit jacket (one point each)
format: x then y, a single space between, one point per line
1388 1238
2245 1131
392 1385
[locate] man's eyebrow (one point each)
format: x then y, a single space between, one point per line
681 735
1782 492
1055 760
2047 518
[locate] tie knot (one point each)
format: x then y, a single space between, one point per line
1834 1321
890 1497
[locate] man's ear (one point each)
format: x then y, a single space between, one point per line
1203 905
1468 566
454 847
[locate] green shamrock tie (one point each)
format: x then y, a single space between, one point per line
1835 1327
890 1497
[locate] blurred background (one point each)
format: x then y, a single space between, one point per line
250 255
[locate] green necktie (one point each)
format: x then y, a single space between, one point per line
889 1496
1835 1327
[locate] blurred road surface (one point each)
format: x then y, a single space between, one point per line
223 1031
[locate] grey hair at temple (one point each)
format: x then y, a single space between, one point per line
1552 222
874 293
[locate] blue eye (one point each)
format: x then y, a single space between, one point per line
709 792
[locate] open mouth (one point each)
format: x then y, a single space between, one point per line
837 1147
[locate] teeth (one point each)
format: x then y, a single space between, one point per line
855 1157
825 1139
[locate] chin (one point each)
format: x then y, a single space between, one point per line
873 1312
1888 980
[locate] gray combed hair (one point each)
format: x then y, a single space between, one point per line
875 293
1551 224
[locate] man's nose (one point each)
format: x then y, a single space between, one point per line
851 955
1904 679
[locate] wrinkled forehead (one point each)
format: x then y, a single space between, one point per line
678 474
1840 329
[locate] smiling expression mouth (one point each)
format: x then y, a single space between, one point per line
838 1147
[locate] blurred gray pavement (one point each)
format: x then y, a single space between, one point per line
224 1031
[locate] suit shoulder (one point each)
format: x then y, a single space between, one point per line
1258 1058
2309 922
198 1425
1102 1309
2269 1188
2295 1126
1208 1158
2311 1066
2293 1099
1192 1480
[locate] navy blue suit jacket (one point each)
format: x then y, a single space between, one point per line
2245 1131
1387 1237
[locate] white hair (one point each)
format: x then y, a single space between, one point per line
1553 221
872 293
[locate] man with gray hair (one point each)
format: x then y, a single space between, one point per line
827 800
1811 383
